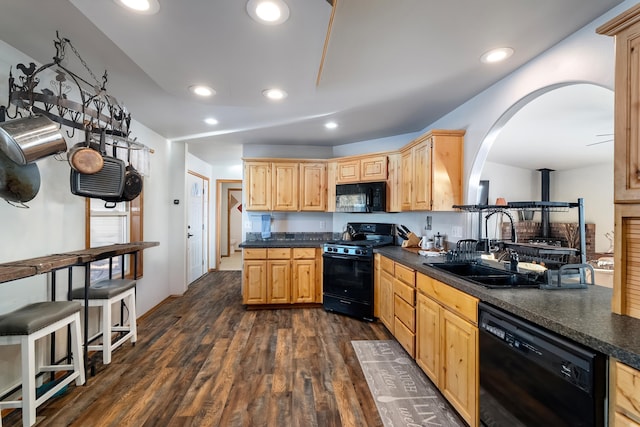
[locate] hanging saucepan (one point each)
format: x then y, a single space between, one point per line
132 180
84 158
18 183
28 139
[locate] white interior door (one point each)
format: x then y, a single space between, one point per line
196 226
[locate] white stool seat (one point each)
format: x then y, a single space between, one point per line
27 325
104 294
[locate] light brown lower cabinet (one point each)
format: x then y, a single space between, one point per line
624 395
281 276
447 343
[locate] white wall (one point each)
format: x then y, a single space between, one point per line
55 220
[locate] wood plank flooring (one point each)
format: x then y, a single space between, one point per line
204 360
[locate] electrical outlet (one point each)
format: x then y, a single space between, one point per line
322 225
456 231
247 225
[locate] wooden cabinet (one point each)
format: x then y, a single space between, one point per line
626 280
313 187
361 169
285 186
394 183
447 343
624 395
257 184
281 276
386 299
305 275
626 29
431 171
626 274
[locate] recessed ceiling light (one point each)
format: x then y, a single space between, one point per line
201 90
211 121
496 55
274 94
331 125
146 7
269 12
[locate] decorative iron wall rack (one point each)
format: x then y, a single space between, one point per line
96 112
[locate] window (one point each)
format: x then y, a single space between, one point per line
107 226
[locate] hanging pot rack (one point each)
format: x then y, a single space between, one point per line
96 112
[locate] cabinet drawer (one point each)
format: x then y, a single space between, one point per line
279 253
627 392
405 313
255 253
304 253
405 274
405 292
405 337
386 264
455 300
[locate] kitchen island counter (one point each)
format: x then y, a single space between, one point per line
583 315
284 243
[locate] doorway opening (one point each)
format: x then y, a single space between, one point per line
229 224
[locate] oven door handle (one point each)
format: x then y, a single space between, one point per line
355 258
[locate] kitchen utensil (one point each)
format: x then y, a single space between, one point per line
28 139
438 241
107 184
84 158
132 181
412 241
402 234
18 183
405 229
426 243
466 249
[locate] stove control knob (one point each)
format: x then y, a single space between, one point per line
345 250
358 252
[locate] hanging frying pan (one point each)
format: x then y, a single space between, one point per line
132 180
18 183
84 158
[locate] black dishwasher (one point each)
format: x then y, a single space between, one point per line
530 376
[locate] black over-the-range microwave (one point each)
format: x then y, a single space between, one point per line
361 197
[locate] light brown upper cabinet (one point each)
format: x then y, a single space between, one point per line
313 187
362 169
626 29
285 185
431 171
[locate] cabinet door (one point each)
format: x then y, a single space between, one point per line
422 176
348 171
394 183
458 373
254 282
279 281
304 280
386 300
373 168
428 336
406 176
627 121
313 187
285 186
626 277
257 178
446 170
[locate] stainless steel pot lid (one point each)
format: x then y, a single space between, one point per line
28 139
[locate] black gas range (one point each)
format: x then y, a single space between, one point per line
347 278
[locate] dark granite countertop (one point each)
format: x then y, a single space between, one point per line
583 315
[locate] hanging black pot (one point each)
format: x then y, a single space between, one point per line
132 181
18 183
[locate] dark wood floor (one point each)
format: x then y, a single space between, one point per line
203 360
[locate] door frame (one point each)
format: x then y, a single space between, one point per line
219 184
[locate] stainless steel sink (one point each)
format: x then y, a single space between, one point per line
488 276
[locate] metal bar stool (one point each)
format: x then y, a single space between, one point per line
27 325
104 294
